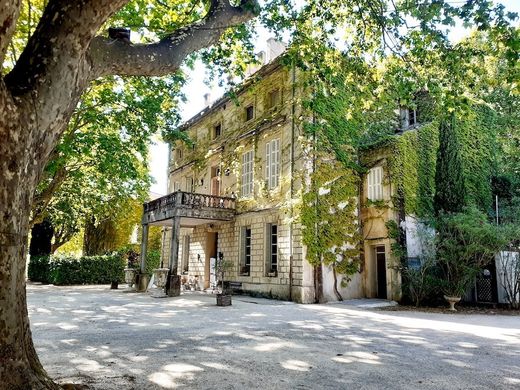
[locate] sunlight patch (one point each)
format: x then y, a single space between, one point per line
296 365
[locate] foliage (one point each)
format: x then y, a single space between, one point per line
39 269
66 270
132 259
153 261
450 188
466 242
223 266
328 217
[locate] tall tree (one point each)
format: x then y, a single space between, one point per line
450 190
37 99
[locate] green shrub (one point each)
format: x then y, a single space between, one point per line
153 261
38 270
66 270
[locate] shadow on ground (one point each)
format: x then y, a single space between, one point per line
109 339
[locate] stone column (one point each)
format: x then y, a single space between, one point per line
173 286
143 278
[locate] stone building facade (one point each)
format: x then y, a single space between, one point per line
250 150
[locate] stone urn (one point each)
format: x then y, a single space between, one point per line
160 276
452 301
130 275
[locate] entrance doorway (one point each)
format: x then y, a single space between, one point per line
211 252
381 271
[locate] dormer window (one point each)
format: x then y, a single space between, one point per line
408 117
217 131
250 112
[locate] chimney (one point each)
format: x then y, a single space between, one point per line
207 99
274 49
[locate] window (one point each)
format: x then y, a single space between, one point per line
217 131
178 154
246 188
250 112
190 184
408 117
274 98
272 249
246 251
272 163
375 183
176 186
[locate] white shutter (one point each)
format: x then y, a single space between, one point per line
272 163
247 174
268 157
275 159
375 183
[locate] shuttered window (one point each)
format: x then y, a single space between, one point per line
272 163
246 188
375 183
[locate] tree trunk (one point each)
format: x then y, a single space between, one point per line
41 239
19 364
336 291
318 284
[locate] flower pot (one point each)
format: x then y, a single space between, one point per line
160 275
130 275
452 301
223 300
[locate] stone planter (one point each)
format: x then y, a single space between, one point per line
223 300
130 275
160 276
452 301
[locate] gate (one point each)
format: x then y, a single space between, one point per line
486 284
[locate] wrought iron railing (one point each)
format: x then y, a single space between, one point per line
190 200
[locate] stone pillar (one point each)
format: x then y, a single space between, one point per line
173 285
142 277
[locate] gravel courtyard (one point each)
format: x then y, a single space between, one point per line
108 339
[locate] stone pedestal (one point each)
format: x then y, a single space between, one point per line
173 288
141 283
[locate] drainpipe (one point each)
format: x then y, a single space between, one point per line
293 127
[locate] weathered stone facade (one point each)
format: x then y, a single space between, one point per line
229 135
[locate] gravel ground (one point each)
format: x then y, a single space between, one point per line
109 339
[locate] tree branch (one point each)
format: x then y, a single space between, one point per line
110 57
9 12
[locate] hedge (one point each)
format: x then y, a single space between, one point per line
64 270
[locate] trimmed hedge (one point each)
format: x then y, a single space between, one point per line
65 270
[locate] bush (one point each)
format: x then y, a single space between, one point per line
466 242
153 261
39 267
66 270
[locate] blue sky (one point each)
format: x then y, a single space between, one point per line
196 88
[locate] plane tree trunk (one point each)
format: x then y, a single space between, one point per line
37 100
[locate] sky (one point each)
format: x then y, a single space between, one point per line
196 88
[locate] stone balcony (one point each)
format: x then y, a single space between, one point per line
191 208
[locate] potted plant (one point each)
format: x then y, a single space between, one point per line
466 242
224 292
131 269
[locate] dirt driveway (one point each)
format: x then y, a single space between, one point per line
109 339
